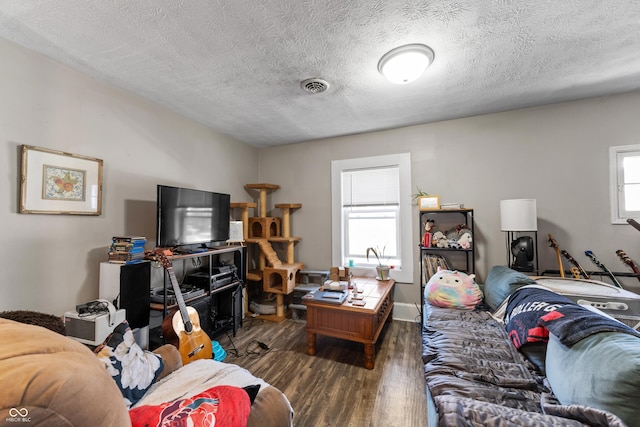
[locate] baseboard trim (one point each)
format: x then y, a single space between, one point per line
405 312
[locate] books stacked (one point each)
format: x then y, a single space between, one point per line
451 206
127 249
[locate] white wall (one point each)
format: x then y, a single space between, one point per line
51 262
557 154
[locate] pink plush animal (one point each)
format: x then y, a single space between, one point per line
453 289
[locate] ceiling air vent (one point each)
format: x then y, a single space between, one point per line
314 85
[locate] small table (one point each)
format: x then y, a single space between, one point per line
350 322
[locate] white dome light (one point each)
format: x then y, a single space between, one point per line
406 63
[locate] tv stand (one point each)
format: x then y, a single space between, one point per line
191 249
220 308
198 250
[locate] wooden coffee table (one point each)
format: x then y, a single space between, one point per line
350 322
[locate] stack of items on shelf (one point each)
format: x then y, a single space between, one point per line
430 265
127 250
452 206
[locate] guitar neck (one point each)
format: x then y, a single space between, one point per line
188 327
575 263
553 244
560 266
632 222
626 260
603 267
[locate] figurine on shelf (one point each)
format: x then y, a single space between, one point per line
426 237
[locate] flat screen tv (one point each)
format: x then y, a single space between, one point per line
191 218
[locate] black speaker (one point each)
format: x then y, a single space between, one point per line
240 260
128 286
203 307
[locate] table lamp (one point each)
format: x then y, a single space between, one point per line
520 215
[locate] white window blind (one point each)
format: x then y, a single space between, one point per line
366 187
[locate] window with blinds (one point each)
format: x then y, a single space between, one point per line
371 207
370 212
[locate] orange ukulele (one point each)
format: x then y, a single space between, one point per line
182 328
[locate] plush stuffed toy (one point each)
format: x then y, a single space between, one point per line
452 289
459 237
465 240
439 240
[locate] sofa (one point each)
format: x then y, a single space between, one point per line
528 355
48 379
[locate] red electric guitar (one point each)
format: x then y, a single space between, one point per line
182 328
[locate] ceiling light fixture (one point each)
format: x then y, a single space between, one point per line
406 63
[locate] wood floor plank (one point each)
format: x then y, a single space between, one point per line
333 388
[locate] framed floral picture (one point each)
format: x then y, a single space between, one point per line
55 182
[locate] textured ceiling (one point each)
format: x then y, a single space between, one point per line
236 65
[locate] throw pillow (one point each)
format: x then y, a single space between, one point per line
452 289
602 371
502 282
219 406
132 368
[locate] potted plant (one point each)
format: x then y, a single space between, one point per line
382 269
419 193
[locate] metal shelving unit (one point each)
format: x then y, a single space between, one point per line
456 258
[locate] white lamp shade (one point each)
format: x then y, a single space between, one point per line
518 215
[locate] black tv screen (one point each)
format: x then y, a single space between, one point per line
191 217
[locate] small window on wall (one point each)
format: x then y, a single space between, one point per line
624 166
372 208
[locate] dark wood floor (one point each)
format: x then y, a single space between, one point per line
332 388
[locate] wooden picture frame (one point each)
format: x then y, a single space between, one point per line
56 182
428 203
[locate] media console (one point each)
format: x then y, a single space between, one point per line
218 277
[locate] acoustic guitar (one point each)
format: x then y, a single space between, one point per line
603 267
182 328
626 260
554 245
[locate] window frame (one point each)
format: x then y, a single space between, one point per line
404 274
395 210
619 215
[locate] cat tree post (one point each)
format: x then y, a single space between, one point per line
263 188
286 227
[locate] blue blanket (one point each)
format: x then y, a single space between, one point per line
533 313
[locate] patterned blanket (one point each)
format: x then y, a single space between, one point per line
533 312
476 377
